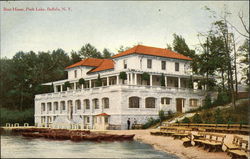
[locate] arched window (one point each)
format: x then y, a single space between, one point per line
105 103
49 106
55 105
150 102
86 103
78 104
134 102
62 104
95 103
43 106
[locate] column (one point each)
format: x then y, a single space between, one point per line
74 85
130 79
55 89
128 76
135 79
151 80
179 82
61 88
90 84
166 81
107 81
117 80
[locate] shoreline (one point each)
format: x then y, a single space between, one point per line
175 147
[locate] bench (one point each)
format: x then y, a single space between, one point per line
242 152
187 140
166 131
181 133
212 142
235 143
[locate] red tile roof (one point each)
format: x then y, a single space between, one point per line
102 114
105 65
92 62
153 51
98 64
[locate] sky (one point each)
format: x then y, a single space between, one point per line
107 24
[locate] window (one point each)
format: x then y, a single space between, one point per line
49 106
163 65
124 64
75 73
105 103
86 104
134 102
150 102
165 100
78 104
56 105
96 103
63 105
193 102
149 63
43 106
87 119
177 66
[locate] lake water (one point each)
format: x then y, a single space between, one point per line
21 147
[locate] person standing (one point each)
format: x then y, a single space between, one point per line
128 122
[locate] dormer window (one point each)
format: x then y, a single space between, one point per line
177 65
124 64
149 63
75 73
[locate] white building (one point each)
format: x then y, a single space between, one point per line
116 99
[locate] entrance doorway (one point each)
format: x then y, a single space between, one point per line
180 104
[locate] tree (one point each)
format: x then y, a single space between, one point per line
186 120
66 84
180 46
218 117
244 50
106 53
88 51
123 76
75 57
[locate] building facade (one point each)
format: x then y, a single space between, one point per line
134 84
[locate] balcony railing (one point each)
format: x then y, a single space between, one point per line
115 87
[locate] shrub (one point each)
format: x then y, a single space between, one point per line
123 76
66 85
208 102
81 81
186 120
196 118
218 117
222 98
151 121
145 76
161 115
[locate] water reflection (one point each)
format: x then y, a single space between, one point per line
21 147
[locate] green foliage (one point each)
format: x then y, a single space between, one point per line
186 120
14 116
190 82
123 75
81 81
218 117
145 76
222 98
208 102
151 121
89 51
180 46
161 115
99 81
196 118
162 80
66 84
75 57
207 117
106 53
